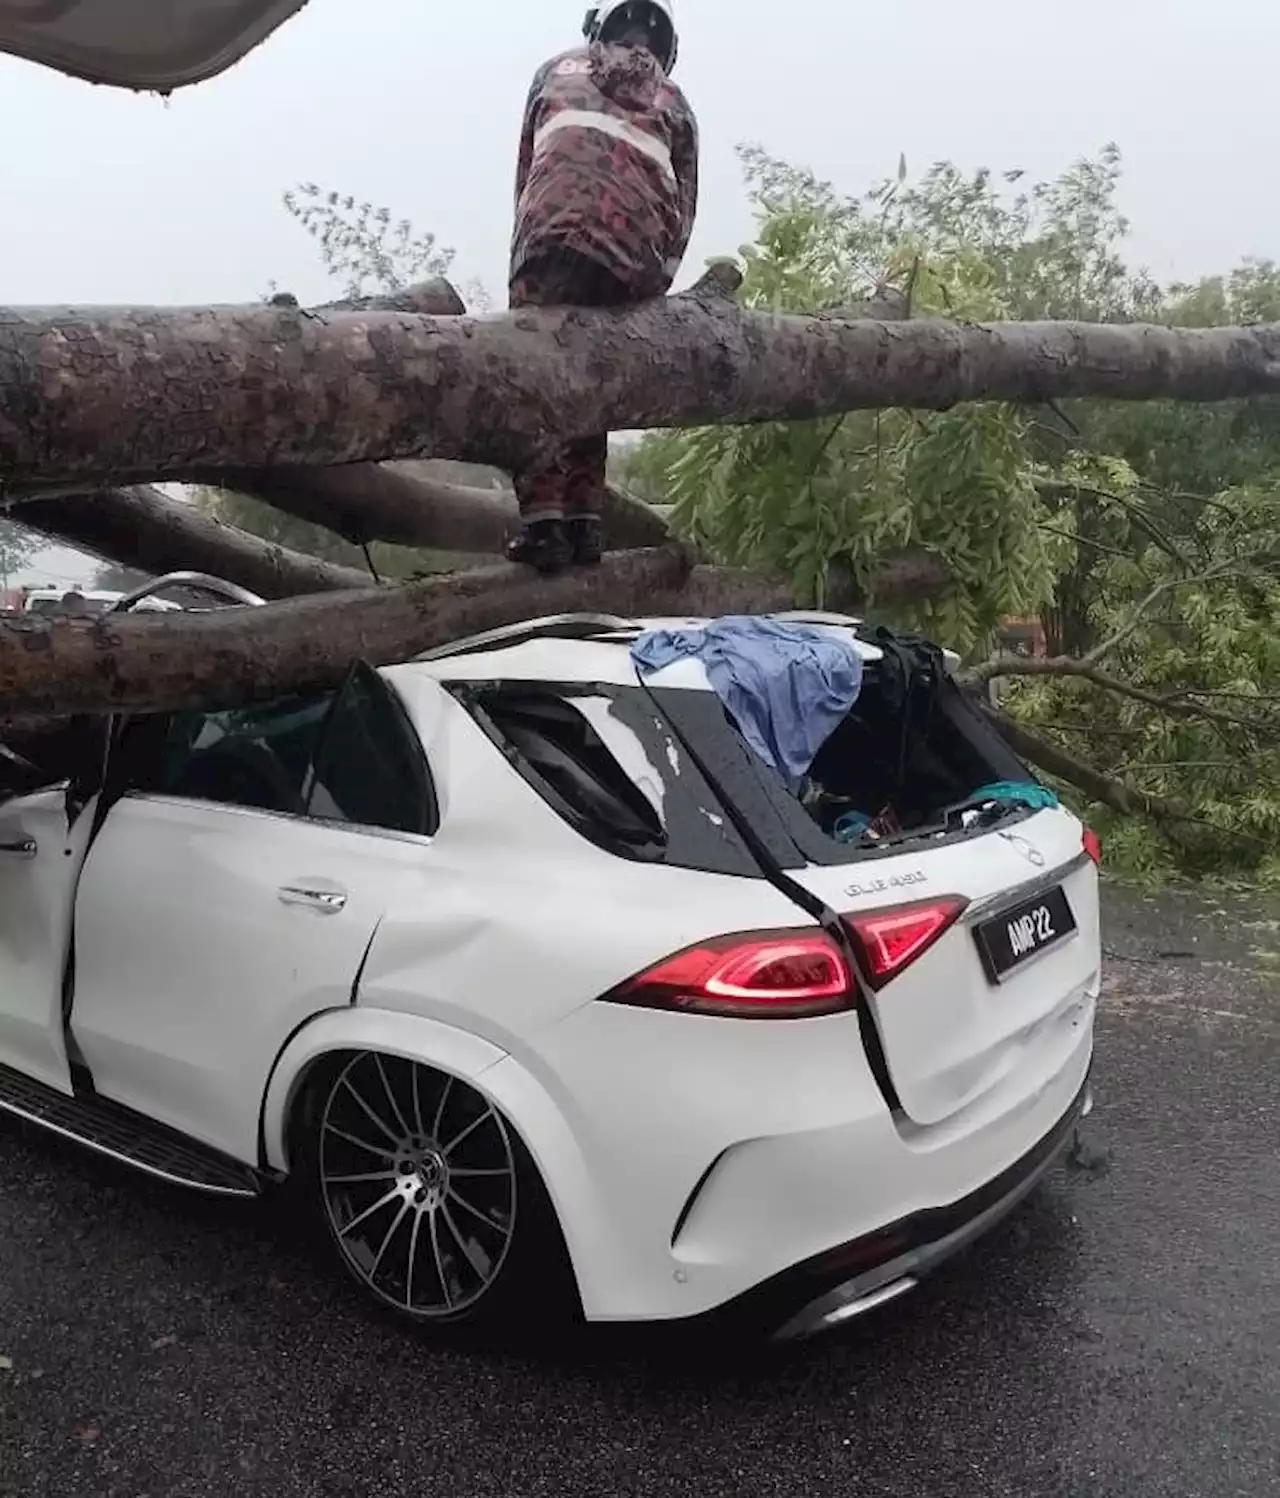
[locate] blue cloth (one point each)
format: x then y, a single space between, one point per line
850 826
1038 797
786 686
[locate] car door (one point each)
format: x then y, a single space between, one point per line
233 892
40 861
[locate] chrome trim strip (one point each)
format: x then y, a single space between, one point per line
231 808
1006 899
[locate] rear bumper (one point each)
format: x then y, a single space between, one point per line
892 1261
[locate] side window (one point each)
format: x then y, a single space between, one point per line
566 754
257 756
369 768
349 757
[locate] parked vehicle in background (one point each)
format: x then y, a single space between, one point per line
53 600
529 973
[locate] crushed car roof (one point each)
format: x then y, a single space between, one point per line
138 43
587 648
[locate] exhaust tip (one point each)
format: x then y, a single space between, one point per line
838 1306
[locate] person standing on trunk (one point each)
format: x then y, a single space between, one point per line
606 192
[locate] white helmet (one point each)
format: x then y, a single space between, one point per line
657 16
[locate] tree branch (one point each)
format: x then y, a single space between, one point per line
1136 619
1062 665
404 503
145 529
228 657
149 394
53 667
1121 796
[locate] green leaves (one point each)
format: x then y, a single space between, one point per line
1074 514
363 245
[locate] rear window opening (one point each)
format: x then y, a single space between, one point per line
896 769
903 767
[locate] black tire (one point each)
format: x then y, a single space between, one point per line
429 1196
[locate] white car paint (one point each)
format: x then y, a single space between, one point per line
194 962
201 998
40 860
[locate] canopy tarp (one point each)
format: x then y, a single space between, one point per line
142 44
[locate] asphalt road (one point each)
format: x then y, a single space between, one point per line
1119 1335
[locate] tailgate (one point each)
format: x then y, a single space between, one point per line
998 998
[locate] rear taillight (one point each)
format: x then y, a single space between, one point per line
890 940
1092 844
756 975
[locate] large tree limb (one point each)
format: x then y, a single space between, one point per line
143 528
153 394
226 657
404 503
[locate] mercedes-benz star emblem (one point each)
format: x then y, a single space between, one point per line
1032 855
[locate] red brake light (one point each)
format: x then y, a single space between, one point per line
890 940
1093 845
757 975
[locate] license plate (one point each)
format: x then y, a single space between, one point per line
1020 934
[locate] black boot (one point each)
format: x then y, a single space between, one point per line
544 546
586 539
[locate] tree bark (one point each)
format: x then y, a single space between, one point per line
145 529
53 667
142 528
149 394
226 657
403 504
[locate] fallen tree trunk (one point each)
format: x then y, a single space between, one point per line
404 503
407 506
145 529
149 394
227 657
53 667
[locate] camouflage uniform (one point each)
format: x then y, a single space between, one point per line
606 191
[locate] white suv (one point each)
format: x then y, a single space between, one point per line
530 974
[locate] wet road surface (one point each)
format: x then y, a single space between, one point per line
1119 1335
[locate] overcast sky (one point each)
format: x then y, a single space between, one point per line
416 104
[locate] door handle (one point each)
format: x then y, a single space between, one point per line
326 901
19 847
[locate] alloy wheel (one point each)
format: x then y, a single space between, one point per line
418 1178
